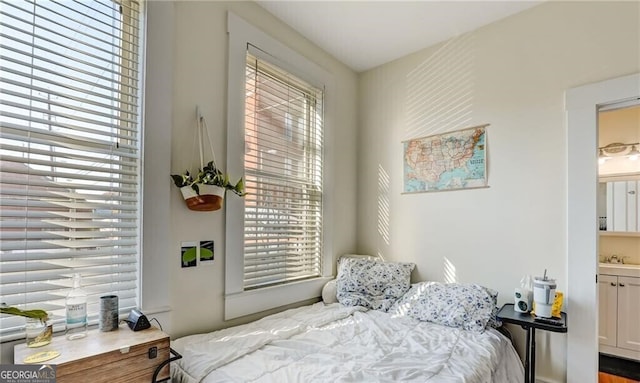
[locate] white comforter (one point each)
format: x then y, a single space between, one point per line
334 343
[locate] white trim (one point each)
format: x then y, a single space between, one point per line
582 230
243 33
156 161
546 380
620 105
237 301
156 310
252 301
630 354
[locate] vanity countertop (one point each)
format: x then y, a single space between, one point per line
626 270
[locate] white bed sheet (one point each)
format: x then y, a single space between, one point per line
334 343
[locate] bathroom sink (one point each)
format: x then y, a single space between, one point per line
626 270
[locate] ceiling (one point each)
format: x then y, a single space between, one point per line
366 34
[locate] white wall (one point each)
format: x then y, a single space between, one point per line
199 51
513 75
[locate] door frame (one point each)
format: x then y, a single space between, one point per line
581 105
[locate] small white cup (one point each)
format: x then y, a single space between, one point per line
543 311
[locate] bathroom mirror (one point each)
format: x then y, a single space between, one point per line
619 204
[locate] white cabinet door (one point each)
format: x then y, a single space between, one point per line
629 313
608 309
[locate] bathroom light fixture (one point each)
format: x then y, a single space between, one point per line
602 158
618 149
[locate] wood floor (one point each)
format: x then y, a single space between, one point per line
607 378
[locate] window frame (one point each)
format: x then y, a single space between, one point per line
156 90
156 84
238 301
139 38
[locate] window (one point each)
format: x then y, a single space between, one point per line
283 174
69 154
277 251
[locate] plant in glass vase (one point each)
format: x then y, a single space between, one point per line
39 331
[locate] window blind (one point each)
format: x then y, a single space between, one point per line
283 172
69 154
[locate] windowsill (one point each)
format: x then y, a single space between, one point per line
253 301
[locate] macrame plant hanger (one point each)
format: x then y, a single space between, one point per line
204 196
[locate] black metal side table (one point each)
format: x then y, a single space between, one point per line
508 315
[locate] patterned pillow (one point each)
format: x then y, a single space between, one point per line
467 306
493 320
371 283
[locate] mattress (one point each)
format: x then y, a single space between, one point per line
335 343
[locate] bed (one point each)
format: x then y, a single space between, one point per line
381 329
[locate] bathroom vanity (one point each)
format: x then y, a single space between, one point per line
619 309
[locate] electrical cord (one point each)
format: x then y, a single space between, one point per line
157 321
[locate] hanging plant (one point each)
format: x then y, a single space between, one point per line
206 191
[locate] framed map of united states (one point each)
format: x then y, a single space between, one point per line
448 161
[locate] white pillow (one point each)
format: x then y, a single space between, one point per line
329 292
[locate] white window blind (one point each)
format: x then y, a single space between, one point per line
69 154
283 171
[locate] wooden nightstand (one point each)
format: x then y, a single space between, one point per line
115 356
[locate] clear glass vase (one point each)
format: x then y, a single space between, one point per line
39 333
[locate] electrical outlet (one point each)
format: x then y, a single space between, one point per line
153 352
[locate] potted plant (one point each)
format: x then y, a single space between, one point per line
39 331
206 191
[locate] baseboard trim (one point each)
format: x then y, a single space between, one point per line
623 367
547 380
621 352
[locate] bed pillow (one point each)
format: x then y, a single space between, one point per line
371 283
329 292
493 320
466 306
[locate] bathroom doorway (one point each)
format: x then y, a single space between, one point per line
619 162
582 105
618 207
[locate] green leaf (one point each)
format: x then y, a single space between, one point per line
206 254
178 180
36 314
239 188
189 256
181 180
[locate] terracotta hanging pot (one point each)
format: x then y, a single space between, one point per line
210 197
